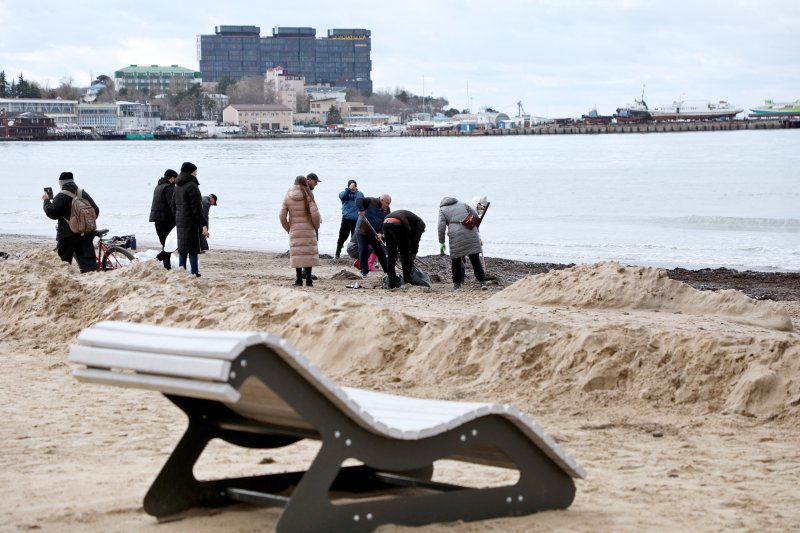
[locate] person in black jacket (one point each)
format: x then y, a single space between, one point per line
403 231
161 211
208 201
70 244
189 217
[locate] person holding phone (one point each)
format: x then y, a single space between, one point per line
69 244
347 228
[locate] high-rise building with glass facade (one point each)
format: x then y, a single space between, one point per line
341 59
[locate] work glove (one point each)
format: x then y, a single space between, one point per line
441 248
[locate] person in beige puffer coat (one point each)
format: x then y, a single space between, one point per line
300 217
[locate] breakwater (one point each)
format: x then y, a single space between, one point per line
590 129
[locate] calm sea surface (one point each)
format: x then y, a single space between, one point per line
694 199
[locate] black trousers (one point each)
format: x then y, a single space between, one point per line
398 242
365 244
162 230
477 267
346 231
81 248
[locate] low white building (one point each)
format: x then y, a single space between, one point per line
259 117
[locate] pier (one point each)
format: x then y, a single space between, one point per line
593 129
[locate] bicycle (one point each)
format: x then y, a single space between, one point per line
113 254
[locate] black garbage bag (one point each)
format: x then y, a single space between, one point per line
418 277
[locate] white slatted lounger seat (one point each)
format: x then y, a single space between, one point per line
256 390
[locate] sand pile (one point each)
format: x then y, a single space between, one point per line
610 285
595 333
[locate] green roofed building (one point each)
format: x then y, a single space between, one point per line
155 79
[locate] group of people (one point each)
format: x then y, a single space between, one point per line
389 235
177 202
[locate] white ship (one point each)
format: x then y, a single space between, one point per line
696 110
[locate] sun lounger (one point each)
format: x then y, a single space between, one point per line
256 390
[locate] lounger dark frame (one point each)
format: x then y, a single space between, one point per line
393 483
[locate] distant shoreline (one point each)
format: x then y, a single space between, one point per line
545 129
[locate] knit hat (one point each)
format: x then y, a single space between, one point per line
170 173
188 167
312 176
214 196
65 178
353 182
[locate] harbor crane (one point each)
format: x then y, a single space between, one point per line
520 109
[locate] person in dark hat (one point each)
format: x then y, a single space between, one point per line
349 214
189 217
312 180
208 201
161 211
69 244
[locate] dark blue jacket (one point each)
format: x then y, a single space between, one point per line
373 213
349 207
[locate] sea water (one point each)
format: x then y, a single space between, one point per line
691 199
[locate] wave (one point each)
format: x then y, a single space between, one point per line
734 223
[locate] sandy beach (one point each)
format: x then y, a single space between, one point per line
677 391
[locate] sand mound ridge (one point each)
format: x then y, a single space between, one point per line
610 285
511 353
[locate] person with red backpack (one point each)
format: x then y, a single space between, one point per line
70 243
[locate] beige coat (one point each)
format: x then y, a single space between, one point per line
303 251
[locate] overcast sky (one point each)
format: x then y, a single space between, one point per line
558 57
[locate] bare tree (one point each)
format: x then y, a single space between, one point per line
270 93
248 90
66 91
303 103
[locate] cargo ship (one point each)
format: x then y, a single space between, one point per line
776 109
696 110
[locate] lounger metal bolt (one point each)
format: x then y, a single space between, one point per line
474 432
356 518
463 438
520 498
348 442
233 374
508 499
337 434
243 363
369 516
